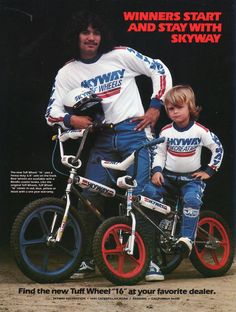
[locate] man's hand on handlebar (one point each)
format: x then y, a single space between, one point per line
80 122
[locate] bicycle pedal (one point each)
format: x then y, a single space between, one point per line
183 250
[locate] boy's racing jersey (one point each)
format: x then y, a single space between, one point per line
111 77
181 151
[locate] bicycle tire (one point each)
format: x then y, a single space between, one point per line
209 258
113 262
38 260
168 262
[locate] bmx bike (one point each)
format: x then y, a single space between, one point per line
121 247
49 236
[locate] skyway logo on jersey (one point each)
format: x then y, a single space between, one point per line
51 101
219 151
107 84
153 64
83 95
183 141
183 147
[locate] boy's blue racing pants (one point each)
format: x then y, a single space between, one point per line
190 189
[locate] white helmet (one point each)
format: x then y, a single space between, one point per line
80 99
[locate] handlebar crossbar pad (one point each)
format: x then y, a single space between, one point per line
119 165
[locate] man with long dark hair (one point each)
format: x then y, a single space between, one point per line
110 73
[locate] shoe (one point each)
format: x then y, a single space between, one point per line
184 246
86 269
154 273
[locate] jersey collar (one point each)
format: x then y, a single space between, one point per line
191 122
90 61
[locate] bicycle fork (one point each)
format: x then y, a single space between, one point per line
65 216
130 244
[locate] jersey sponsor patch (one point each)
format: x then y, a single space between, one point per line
107 84
182 147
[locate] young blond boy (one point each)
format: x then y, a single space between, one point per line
177 164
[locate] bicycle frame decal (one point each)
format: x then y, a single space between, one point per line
96 187
153 204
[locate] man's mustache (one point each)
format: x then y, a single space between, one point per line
91 42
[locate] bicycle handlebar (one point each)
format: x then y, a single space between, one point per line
148 144
102 126
71 134
153 142
82 133
95 126
79 133
132 158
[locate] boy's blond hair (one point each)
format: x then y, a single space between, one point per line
183 94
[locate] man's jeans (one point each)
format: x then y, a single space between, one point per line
115 145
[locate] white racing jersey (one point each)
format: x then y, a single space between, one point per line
181 151
111 77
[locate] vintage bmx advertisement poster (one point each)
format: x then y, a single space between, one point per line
196 41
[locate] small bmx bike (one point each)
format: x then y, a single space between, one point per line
121 247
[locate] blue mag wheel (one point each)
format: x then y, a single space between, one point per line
39 258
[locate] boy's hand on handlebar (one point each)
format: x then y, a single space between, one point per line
202 175
80 122
149 118
158 178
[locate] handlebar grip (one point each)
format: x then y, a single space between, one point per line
71 134
102 126
155 142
